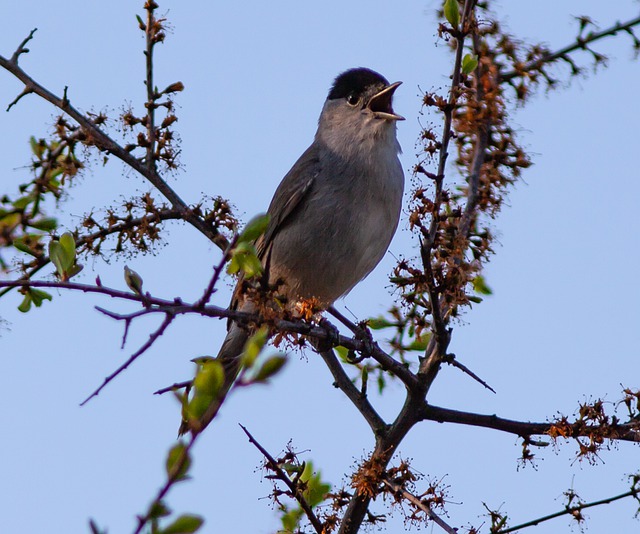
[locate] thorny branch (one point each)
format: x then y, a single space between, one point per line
619 431
295 490
396 488
358 398
415 409
177 472
576 510
146 346
97 137
563 53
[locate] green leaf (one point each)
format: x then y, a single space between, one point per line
174 457
452 12
378 323
245 258
46 224
68 244
316 489
201 360
234 265
381 382
26 243
270 368
22 202
365 375
254 228
254 346
158 509
75 269
469 63
343 353
25 306
55 254
480 286
133 280
37 296
250 265
291 519
185 524
206 388
209 378
419 343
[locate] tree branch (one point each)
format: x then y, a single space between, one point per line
372 349
421 505
178 469
579 44
387 444
623 432
571 510
359 400
101 140
296 492
152 339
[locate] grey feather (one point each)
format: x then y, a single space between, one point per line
337 209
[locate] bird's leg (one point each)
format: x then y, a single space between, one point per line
333 335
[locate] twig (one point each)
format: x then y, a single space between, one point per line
360 401
173 387
580 43
439 342
371 348
569 510
43 261
217 271
451 360
21 47
101 140
152 338
623 432
293 487
172 478
150 30
424 507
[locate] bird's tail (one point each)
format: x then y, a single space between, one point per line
230 356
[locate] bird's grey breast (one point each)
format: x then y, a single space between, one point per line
338 232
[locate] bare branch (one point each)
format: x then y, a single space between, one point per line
371 348
421 505
217 271
101 140
579 44
296 492
359 400
152 339
623 432
150 30
573 510
21 48
451 360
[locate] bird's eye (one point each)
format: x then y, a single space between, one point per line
352 99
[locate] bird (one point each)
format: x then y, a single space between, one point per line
334 213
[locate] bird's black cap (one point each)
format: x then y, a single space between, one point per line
355 81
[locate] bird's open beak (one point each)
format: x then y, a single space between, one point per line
380 104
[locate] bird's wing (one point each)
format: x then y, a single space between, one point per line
294 187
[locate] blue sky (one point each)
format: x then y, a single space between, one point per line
562 325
